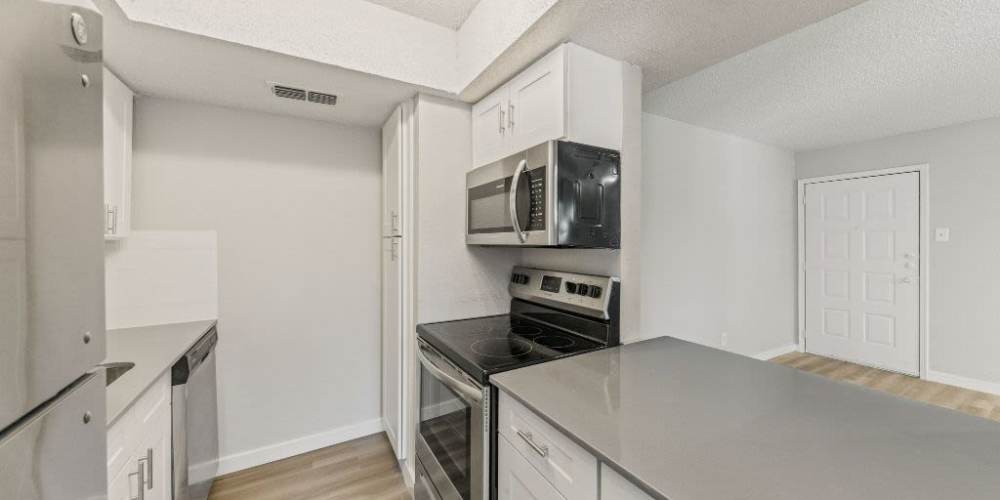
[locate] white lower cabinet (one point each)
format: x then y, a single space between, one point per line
139 448
537 461
615 487
517 479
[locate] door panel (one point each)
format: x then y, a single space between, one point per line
392 341
489 128
392 174
51 202
863 269
536 113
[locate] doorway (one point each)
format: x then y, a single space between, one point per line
862 268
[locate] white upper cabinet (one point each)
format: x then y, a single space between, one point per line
535 104
392 174
489 125
571 93
117 157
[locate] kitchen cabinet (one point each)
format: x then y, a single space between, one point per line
118 108
571 93
564 464
517 479
615 487
139 447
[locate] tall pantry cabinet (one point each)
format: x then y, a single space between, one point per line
397 171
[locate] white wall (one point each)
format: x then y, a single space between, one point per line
718 238
157 277
296 207
964 272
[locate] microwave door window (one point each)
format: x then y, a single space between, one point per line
489 208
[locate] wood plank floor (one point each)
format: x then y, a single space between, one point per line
975 403
363 469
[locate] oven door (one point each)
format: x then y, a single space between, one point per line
508 202
452 444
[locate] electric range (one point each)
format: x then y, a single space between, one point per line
552 315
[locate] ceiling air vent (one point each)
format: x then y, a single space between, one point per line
321 98
289 92
286 92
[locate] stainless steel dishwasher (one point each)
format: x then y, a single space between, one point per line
195 421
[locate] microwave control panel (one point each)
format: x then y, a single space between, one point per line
536 217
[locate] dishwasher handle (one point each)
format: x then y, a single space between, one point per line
195 356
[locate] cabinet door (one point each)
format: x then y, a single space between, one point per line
154 456
118 107
517 479
392 174
537 103
489 128
392 341
123 486
616 487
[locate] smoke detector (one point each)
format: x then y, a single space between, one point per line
299 94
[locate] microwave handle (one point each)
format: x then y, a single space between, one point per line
521 167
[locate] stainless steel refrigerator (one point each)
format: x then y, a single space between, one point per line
52 402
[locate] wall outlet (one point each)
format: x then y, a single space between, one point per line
942 234
724 339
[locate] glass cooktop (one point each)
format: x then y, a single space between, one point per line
492 344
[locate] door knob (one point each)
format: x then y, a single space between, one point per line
906 280
910 255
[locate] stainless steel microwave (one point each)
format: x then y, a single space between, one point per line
556 194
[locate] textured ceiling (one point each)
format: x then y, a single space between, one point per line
669 39
448 13
883 68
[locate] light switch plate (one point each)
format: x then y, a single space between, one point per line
942 234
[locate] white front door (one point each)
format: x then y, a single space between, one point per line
862 271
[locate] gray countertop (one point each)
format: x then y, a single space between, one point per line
154 350
688 422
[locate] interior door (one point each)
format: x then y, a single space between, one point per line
392 174
862 271
537 106
392 341
489 128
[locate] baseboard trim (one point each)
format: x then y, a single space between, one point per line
270 453
778 351
963 382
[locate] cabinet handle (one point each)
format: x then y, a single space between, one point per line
108 219
510 117
542 450
114 219
394 249
395 221
149 467
501 119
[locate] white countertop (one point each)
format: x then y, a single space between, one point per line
154 349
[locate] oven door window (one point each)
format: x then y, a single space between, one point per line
447 426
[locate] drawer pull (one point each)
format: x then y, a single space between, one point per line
542 450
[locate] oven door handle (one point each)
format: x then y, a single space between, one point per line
512 201
471 394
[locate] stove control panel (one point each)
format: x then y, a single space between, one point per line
581 293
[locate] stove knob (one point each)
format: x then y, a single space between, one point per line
582 289
595 291
570 287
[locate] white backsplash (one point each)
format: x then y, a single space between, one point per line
156 277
